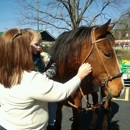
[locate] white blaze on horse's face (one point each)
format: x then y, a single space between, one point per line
108 67
115 91
122 91
116 85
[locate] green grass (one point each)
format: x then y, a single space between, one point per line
122 54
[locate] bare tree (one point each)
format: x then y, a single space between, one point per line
68 14
122 28
124 22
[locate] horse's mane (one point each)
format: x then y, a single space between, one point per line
64 45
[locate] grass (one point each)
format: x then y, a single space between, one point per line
122 54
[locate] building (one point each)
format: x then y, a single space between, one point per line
122 44
47 38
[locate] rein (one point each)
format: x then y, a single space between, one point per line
104 81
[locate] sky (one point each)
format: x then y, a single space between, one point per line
8 18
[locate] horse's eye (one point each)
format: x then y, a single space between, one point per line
108 54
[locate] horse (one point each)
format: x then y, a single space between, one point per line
93 45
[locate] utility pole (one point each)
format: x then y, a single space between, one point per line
37 10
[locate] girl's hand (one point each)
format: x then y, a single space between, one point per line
84 70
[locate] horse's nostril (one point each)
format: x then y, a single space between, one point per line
117 96
119 93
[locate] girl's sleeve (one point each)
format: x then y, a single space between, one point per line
51 71
44 89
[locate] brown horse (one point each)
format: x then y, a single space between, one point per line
92 45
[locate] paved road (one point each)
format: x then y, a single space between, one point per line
119 119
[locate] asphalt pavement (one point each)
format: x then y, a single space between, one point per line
118 120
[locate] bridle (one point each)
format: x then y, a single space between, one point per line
104 81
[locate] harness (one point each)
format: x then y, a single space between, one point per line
104 81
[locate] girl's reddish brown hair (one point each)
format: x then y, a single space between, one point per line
15 56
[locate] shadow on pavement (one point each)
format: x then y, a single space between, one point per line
87 116
113 125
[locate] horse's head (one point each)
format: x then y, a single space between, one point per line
106 72
93 45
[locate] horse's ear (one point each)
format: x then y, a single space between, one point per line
110 27
102 29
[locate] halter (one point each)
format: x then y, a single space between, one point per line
104 81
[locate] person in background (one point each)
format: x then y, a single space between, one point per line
44 63
24 93
50 71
